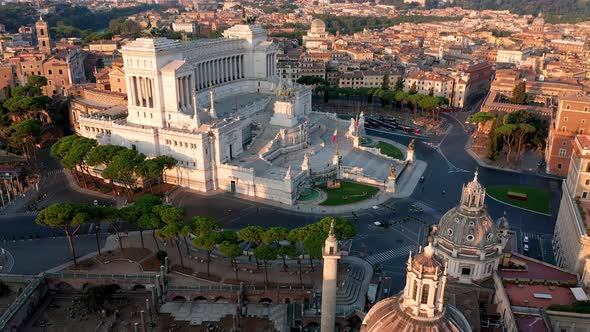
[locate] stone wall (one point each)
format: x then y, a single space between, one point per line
504 308
356 174
570 240
24 306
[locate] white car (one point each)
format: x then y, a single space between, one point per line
525 239
526 247
378 224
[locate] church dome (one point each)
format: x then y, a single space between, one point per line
420 306
465 229
539 20
388 315
469 224
318 26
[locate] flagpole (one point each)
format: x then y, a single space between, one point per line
337 137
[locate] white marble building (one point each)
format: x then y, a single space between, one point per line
218 108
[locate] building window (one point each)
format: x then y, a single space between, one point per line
588 182
465 271
415 291
585 109
60 72
133 147
562 152
567 107
425 292
584 194
559 166
50 72
565 119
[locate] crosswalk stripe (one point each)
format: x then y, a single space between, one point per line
389 254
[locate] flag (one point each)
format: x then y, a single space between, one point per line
335 136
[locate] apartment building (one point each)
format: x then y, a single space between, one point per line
571 238
573 118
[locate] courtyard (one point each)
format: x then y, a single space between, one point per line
348 193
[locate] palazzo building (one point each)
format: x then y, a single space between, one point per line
467 238
571 237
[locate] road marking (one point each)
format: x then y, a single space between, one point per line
389 255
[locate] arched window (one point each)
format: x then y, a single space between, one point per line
415 291
425 291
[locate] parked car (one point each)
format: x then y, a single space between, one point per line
526 247
525 239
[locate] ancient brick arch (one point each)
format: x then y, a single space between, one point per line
200 299
179 298
265 300
138 287
64 286
222 299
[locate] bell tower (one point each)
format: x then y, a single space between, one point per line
43 40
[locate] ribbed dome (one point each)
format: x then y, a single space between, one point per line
318 26
388 316
467 229
469 224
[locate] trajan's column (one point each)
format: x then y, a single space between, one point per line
331 256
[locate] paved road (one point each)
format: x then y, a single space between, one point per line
449 167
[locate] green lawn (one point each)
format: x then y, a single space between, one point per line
390 150
538 199
350 192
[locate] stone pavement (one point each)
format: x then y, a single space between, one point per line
18 204
197 313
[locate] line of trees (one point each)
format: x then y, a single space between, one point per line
168 223
513 131
395 97
120 164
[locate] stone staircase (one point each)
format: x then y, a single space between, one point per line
348 294
197 313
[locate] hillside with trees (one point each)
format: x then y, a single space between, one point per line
66 15
560 11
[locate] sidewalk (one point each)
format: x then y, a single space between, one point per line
18 204
119 201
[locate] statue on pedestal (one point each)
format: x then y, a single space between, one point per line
392 172
351 128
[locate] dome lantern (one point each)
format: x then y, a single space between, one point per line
473 196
